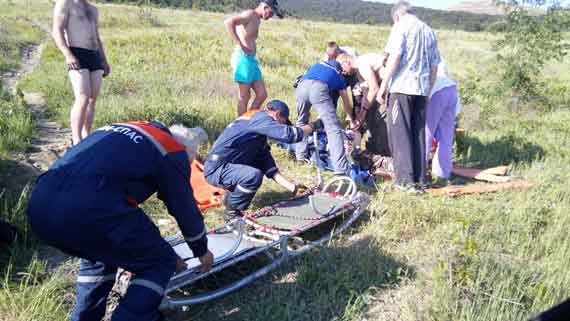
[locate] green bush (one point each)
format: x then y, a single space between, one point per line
527 44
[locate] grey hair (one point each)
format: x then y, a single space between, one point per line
189 137
402 6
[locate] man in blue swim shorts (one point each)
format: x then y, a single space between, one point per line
244 29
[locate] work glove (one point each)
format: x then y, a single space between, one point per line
317 124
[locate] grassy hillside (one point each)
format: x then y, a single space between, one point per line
361 12
347 11
489 257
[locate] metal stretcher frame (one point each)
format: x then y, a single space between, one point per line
248 238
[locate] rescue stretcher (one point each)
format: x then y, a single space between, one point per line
264 239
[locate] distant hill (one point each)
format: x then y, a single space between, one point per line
486 7
348 11
478 7
357 11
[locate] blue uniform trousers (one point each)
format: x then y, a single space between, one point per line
241 181
88 219
316 93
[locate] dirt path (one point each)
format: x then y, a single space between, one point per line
49 144
51 140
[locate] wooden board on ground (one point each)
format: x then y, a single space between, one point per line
456 190
494 174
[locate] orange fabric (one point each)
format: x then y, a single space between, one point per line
166 140
206 195
248 114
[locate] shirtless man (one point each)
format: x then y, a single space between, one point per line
75 32
368 69
244 29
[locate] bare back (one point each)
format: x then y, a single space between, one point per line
80 23
249 29
368 66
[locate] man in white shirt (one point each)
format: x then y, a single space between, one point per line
411 72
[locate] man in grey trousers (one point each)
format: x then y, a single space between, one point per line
411 71
315 90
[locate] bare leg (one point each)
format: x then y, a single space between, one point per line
96 79
81 84
243 99
260 94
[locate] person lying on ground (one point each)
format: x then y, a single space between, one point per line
86 205
315 90
244 30
76 35
367 111
241 155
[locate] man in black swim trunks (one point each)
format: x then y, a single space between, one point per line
76 34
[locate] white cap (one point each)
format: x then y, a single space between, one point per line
192 138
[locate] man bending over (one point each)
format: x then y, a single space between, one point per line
241 155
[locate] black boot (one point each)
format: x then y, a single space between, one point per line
230 213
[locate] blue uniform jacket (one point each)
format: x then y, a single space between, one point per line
133 161
244 141
327 72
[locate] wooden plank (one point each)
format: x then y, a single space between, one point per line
456 190
494 174
472 172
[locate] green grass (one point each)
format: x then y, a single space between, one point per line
16 124
16 32
500 256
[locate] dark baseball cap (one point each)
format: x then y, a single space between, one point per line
274 6
281 107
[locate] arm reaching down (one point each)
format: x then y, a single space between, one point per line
391 66
60 20
346 105
175 191
231 26
285 182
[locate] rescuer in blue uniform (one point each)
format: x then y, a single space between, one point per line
86 204
241 155
315 90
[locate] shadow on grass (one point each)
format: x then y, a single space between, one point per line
326 283
15 176
507 149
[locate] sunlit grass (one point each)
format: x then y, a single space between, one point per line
500 256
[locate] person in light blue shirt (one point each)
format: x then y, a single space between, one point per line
315 90
411 71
